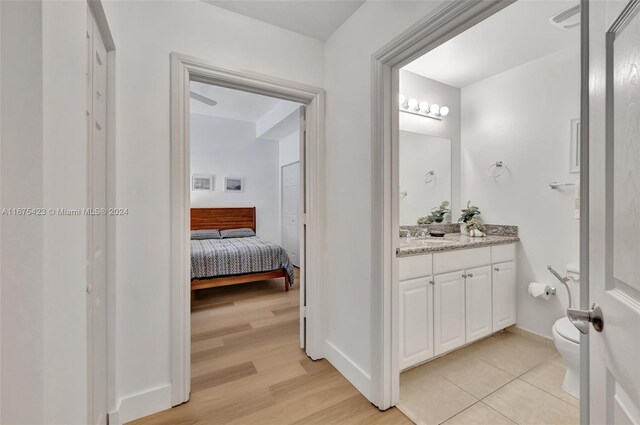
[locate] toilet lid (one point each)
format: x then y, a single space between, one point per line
566 329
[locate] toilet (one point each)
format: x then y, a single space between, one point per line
566 336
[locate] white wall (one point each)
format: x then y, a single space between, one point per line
289 149
347 72
422 88
21 322
522 117
43 259
229 148
145 34
418 154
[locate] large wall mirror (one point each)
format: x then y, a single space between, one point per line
425 174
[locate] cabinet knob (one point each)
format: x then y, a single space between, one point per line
496 269
469 275
464 276
433 282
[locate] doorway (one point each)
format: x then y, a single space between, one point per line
186 70
450 21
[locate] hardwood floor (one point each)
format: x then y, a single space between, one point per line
247 367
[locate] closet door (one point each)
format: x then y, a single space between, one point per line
478 303
449 312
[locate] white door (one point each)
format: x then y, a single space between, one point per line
504 295
96 224
448 312
302 226
614 372
478 303
290 192
416 321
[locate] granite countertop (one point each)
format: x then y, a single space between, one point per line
450 242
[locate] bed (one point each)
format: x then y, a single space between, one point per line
231 261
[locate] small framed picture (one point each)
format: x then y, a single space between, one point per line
202 182
233 184
574 166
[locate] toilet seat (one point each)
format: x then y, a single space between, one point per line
565 329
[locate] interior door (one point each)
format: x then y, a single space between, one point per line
290 192
302 224
614 375
96 224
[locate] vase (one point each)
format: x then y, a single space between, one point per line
463 228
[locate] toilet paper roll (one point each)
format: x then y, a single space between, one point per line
540 290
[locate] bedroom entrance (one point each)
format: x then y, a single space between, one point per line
244 291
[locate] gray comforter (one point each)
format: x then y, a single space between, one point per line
224 257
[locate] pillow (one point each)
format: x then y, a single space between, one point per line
206 234
237 233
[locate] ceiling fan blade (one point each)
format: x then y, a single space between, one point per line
203 99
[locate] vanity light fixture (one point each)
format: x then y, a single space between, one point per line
422 108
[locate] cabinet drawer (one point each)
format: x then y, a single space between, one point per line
444 262
416 266
503 253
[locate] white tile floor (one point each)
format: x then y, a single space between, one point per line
504 379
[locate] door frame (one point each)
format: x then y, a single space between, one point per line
445 22
97 10
282 203
185 69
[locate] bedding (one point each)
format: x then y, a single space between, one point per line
233 256
237 233
206 234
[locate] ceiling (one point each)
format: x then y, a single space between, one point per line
314 18
232 104
516 35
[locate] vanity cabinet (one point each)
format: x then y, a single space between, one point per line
451 298
479 294
504 295
449 312
416 321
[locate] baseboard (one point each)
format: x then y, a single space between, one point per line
142 404
515 329
347 367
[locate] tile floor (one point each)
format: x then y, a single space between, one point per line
504 379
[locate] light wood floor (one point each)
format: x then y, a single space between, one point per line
247 367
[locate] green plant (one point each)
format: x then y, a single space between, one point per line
425 220
468 213
438 213
474 223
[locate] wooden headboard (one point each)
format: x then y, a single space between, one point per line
223 218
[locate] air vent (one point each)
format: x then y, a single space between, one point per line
567 19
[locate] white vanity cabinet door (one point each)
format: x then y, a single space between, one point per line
416 321
478 303
449 312
504 295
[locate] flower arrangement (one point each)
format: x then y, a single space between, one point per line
469 213
475 227
438 213
425 220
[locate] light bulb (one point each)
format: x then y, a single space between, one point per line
401 99
435 108
413 103
444 111
423 106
